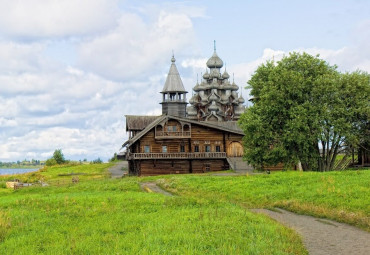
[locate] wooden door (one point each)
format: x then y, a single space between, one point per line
235 149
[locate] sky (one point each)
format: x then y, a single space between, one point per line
70 70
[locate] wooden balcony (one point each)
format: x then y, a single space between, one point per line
180 155
172 134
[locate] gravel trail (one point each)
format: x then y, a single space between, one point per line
322 236
118 169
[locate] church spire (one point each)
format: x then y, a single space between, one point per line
174 94
173 81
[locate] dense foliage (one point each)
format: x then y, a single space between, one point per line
304 111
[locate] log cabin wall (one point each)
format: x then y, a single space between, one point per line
160 167
202 139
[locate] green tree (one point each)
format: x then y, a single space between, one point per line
58 156
114 158
304 111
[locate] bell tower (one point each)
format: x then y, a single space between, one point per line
174 94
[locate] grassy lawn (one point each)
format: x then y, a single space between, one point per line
342 196
99 215
106 216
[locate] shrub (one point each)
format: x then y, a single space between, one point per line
51 162
96 161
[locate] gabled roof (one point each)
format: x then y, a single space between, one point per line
231 127
146 130
138 122
173 81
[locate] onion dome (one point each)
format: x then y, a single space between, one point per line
214 85
234 86
206 75
215 73
197 88
204 99
213 97
239 109
213 106
241 99
227 86
215 61
235 96
225 75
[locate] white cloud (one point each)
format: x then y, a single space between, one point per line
137 48
121 68
55 18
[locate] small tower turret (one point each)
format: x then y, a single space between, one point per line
174 94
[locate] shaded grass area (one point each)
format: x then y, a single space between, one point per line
109 216
342 196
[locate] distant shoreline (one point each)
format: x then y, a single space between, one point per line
12 171
21 167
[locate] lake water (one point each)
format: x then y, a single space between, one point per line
16 170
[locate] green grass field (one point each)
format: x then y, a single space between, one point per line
343 196
209 215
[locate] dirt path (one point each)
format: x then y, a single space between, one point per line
323 236
152 187
118 169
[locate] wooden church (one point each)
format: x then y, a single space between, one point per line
198 138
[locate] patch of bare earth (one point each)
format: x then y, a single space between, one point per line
153 187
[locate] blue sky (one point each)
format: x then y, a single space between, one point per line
70 70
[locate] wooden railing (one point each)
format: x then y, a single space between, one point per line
180 155
172 134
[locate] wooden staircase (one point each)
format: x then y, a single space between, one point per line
238 165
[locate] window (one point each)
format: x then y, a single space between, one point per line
171 128
208 148
218 148
196 148
146 149
182 148
164 149
206 167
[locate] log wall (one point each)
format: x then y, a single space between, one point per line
200 136
161 167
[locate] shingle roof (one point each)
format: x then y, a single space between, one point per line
232 125
138 122
229 126
173 81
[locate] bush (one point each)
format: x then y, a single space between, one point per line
96 161
51 162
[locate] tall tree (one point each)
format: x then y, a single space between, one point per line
58 156
304 111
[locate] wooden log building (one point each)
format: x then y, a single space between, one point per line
196 139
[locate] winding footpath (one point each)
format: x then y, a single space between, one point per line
118 170
320 236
